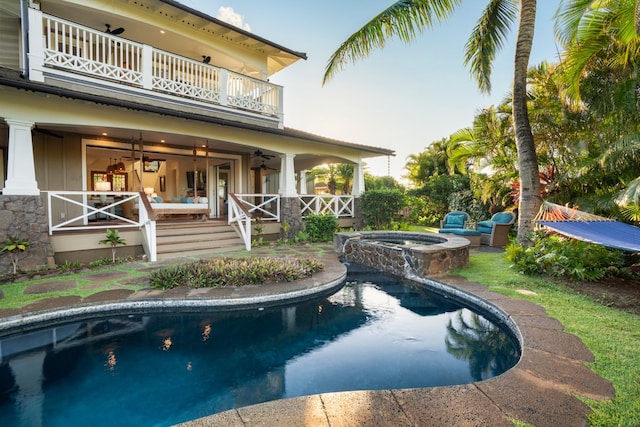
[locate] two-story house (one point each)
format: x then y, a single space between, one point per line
131 114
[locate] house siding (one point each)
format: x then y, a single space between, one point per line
10 43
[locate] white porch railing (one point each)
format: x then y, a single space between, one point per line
72 47
240 218
338 206
90 211
265 206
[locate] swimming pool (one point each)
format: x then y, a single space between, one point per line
164 369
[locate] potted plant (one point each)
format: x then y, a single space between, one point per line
14 245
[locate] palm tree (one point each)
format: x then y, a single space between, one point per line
587 28
406 18
602 46
113 239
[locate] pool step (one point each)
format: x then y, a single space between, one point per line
196 239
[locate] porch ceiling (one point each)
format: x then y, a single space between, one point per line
175 15
154 139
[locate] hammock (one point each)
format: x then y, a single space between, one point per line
590 228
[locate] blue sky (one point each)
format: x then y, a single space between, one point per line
403 97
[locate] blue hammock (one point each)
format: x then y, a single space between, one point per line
612 234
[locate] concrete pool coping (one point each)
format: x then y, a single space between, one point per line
543 389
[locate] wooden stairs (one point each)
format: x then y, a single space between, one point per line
195 238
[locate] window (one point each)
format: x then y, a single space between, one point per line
118 181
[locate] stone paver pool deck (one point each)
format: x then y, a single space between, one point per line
543 389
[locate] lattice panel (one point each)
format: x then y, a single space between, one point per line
87 66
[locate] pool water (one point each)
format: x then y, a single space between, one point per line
161 369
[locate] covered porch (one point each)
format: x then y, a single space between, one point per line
98 176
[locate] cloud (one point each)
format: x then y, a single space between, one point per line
228 15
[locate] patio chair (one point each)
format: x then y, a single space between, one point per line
454 220
495 232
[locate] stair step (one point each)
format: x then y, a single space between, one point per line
169 255
180 238
193 238
205 229
197 245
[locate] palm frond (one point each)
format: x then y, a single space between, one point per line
487 38
567 19
404 19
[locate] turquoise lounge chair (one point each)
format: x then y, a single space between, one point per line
495 232
454 220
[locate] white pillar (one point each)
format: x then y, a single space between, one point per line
21 171
287 176
302 185
36 45
147 67
358 179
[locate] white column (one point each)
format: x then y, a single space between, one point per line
358 179
21 172
302 185
287 176
224 85
36 45
147 67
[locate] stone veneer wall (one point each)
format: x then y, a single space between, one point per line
25 217
438 255
290 214
358 215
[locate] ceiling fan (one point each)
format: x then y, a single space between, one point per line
263 166
259 153
115 31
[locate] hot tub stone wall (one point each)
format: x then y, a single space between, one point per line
407 260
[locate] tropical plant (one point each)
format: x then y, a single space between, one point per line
567 258
14 245
587 28
405 19
113 239
216 272
372 182
601 75
320 227
381 208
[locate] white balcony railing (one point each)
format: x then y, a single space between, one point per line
71 47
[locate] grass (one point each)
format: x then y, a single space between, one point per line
14 296
612 336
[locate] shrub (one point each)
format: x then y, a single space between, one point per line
320 227
216 272
381 208
566 258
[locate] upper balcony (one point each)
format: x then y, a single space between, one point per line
76 54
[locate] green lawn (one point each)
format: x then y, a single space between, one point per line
612 336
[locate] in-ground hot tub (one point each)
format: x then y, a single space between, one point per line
404 253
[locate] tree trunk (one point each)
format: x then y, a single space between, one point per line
530 200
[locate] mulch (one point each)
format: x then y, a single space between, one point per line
616 292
